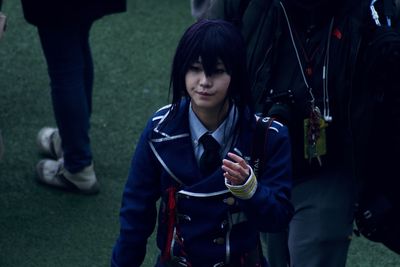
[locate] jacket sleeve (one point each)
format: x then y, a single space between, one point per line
138 210
270 208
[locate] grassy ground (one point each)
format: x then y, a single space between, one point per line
44 227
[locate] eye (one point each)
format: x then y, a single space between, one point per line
196 67
219 71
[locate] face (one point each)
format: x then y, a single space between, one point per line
208 93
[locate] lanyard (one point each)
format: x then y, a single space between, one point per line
325 69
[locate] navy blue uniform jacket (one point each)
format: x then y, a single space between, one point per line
212 223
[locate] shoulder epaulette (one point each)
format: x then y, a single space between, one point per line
274 125
161 113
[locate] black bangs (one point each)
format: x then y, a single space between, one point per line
213 48
211 40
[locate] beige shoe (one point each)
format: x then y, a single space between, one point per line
49 142
53 173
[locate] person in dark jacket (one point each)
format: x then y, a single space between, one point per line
212 206
306 61
64 28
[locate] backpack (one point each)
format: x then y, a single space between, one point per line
377 215
378 219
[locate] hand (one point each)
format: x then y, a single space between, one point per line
236 171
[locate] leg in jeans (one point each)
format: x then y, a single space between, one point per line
321 229
70 68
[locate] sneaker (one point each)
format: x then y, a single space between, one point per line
49 142
53 173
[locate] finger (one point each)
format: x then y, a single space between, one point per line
232 179
228 164
238 159
236 168
233 165
233 175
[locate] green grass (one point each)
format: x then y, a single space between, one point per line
40 226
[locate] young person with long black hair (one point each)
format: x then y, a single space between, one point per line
195 155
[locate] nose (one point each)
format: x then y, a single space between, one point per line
205 81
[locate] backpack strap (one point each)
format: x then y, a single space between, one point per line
258 155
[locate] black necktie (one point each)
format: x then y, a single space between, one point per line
210 160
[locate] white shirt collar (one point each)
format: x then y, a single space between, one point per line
222 134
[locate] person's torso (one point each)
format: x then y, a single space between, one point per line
329 52
209 220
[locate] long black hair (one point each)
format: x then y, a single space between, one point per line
212 40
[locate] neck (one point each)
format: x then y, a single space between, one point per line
212 118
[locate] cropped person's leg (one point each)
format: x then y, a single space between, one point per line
88 70
70 69
321 229
65 50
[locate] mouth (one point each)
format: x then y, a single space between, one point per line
204 93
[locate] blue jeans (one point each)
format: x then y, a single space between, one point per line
70 68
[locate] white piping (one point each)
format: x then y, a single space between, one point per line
163 163
193 194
